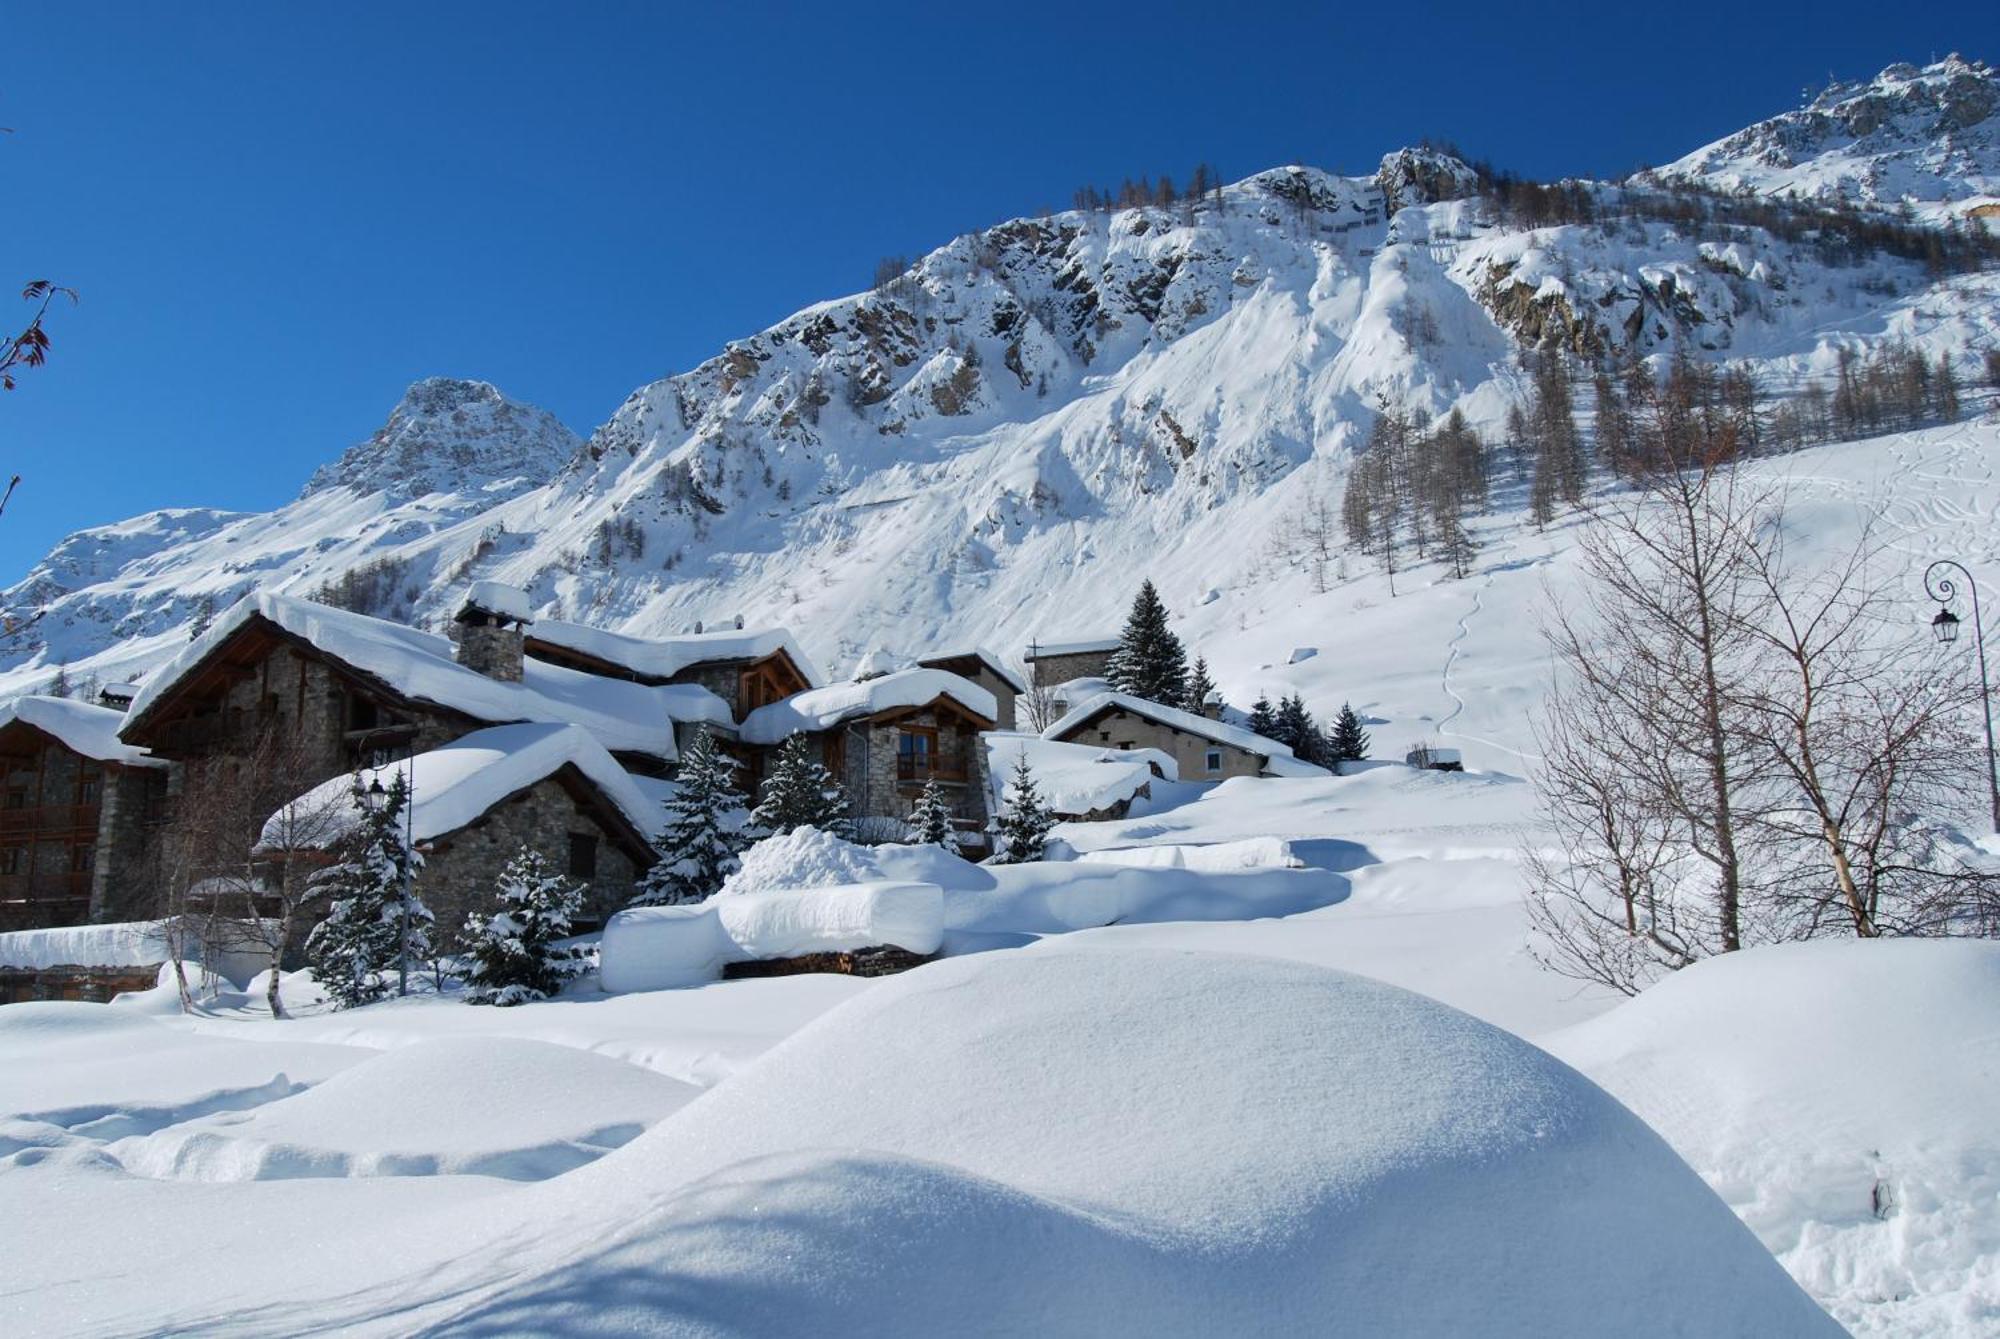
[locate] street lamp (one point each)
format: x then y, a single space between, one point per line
1939 585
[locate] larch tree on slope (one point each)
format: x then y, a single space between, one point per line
1150 661
931 821
1021 833
703 837
513 954
362 939
799 792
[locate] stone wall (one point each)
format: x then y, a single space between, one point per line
870 771
725 681
460 877
1122 729
1047 671
120 888
491 649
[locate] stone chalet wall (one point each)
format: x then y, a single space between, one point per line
461 878
1122 729
724 680
1047 671
121 888
1003 694
869 768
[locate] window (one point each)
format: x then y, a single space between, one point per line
1214 762
17 797
362 714
82 859
916 753
90 792
14 860
582 855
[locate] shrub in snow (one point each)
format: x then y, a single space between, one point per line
1347 742
799 792
1021 833
366 928
513 952
704 832
931 820
1149 661
802 858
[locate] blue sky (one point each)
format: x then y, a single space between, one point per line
279 215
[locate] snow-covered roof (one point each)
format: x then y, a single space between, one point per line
88 729
628 717
823 708
1278 757
497 597
1072 778
127 944
455 784
1074 647
985 656
664 657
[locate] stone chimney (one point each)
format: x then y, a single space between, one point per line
1211 706
492 625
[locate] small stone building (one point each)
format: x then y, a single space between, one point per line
1052 663
1202 749
75 804
884 738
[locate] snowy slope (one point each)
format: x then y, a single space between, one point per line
1928 136
996 446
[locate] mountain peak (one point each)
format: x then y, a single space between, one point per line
452 435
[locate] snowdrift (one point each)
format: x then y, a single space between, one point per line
490 1106
1844 1098
1140 1143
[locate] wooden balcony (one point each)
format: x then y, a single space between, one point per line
919 770
50 818
45 889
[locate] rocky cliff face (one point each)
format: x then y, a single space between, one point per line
452 436
1928 136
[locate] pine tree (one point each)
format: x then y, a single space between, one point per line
703 835
1150 661
1348 741
59 686
1294 723
1021 833
1199 687
931 820
1944 391
362 937
799 792
513 951
1263 721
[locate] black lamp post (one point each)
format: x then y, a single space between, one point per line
1939 585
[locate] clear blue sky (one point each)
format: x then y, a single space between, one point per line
279 215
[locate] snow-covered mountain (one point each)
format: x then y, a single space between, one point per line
1929 136
1001 442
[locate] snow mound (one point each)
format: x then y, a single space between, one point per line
1074 778
488 1106
1142 1143
1250 853
802 858
1841 1096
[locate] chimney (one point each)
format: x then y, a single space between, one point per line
1211 706
492 625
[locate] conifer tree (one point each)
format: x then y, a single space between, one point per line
1294 727
1263 721
931 820
1199 687
1348 741
798 792
1150 661
362 937
703 835
513 952
1021 833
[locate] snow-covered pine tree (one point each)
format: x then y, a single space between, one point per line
704 830
799 792
362 938
1022 831
1199 687
1348 740
931 819
1294 726
513 951
1150 661
1263 721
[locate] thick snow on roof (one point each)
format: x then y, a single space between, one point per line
129 944
823 708
497 597
624 716
1075 647
1073 778
454 785
664 657
90 730
986 656
1279 759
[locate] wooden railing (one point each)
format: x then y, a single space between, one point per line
50 818
926 769
45 888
